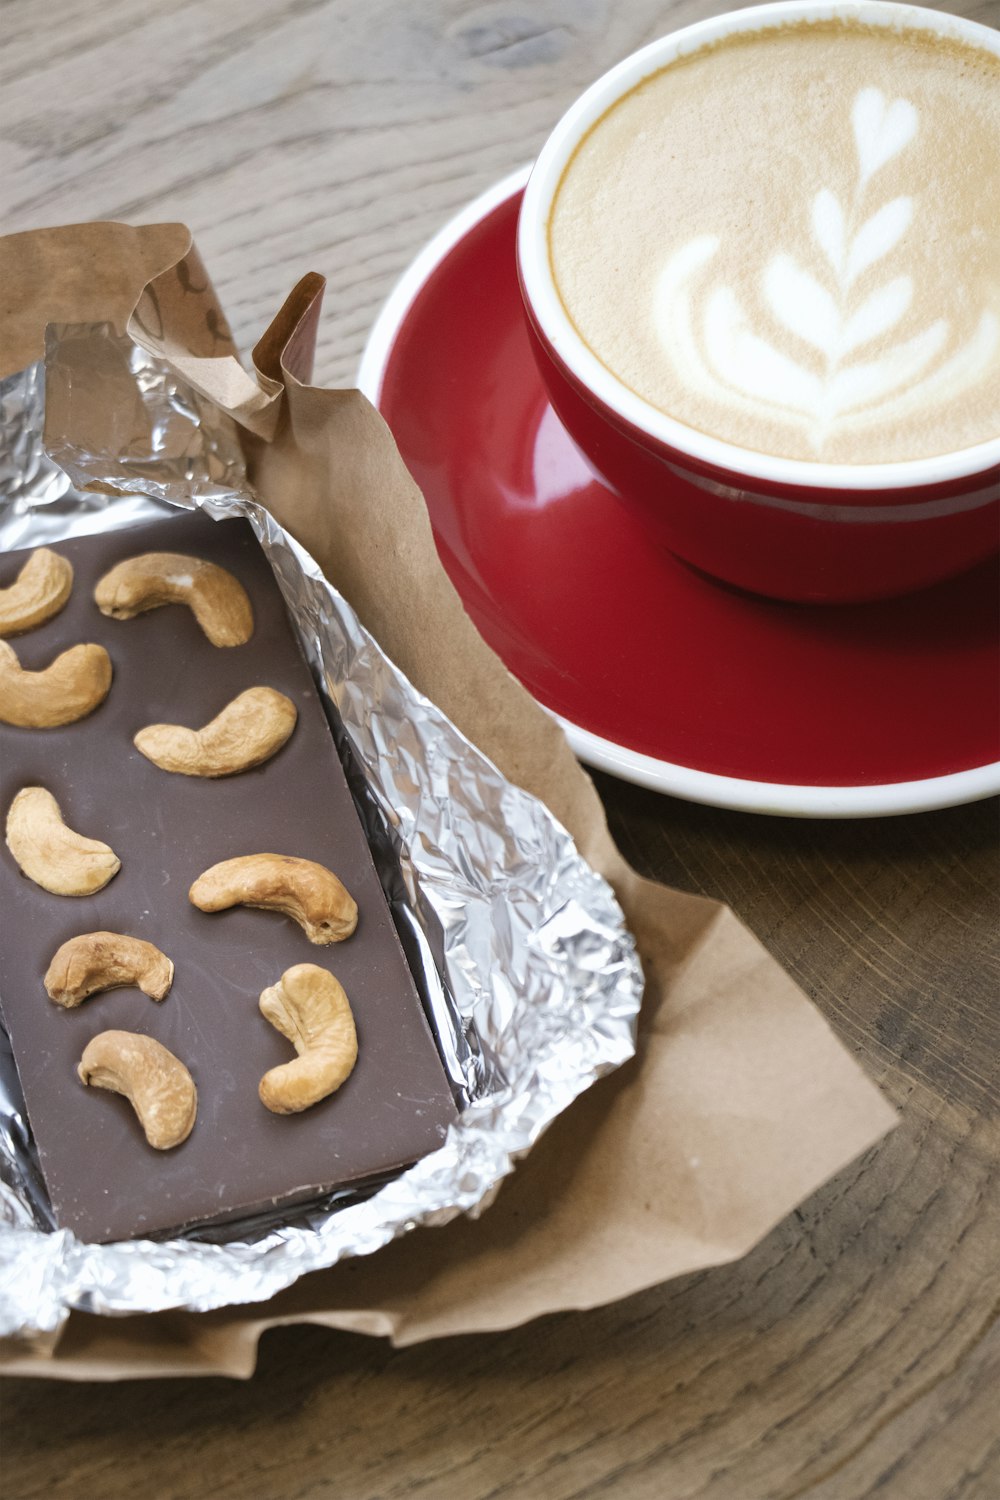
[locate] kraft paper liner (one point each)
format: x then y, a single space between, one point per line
740 1101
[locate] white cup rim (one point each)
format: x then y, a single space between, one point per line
554 323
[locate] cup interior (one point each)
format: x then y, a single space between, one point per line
553 322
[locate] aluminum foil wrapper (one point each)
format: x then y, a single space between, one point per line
530 978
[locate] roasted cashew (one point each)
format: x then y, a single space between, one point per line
52 855
68 689
154 1081
219 603
38 592
309 893
248 731
97 961
309 1007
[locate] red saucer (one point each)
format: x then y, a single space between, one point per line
661 675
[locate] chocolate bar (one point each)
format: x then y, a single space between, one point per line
104 1180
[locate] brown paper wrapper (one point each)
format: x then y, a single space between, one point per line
739 1102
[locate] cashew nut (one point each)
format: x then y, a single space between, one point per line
97 961
219 603
309 1007
52 855
154 1081
307 892
248 731
69 688
38 592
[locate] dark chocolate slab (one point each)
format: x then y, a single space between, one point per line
104 1181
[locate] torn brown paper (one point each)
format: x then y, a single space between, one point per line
740 1101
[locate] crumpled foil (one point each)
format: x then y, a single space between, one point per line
530 976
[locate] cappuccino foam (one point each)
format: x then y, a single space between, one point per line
790 240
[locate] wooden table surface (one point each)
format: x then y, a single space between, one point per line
856 1352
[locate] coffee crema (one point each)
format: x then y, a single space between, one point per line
790 240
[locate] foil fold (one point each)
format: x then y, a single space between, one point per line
528 973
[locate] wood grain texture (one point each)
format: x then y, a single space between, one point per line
856 1352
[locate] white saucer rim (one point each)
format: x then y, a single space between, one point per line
736 794
783 799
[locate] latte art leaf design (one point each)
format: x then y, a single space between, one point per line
720 354
877 236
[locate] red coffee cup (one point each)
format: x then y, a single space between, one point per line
788 528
